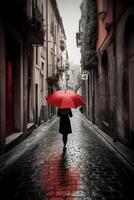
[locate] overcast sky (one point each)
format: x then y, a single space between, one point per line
70 14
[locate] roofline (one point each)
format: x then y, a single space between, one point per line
57 14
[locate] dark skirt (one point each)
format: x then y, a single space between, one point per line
65 125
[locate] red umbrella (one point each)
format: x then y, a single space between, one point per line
65 99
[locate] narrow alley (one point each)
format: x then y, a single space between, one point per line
88 170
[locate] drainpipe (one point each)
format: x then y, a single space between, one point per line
93 98
47 36
47 50
114 74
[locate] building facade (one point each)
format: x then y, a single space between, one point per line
55 45
16 61
112 79
115 60
88 31
31 50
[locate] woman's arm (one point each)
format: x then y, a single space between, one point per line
58 113
70 113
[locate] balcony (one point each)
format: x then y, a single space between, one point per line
62 45
52 76
25 17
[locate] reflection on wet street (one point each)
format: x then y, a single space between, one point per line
60 179
87 170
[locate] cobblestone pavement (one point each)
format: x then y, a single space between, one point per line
88 170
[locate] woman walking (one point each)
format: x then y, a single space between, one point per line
64 124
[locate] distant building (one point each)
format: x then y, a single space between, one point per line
74 81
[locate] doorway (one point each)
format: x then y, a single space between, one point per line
12 85
128 83
10 122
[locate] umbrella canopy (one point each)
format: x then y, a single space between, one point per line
65 99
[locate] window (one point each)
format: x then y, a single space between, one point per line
42 67
105 6
52 25
35 3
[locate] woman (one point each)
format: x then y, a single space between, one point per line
65 125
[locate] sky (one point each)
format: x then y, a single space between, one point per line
70 14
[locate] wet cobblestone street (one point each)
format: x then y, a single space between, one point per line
88 170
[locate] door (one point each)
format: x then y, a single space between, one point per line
10 124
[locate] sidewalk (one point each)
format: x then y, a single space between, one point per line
9 159
125 152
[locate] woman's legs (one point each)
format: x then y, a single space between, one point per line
64 138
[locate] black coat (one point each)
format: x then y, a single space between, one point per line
65 125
